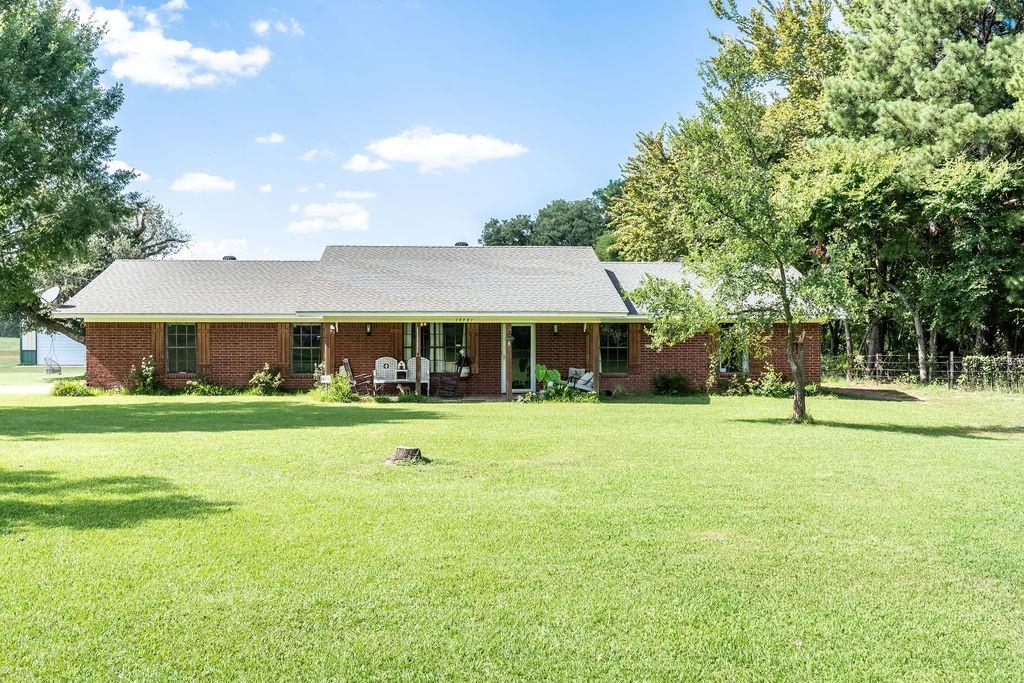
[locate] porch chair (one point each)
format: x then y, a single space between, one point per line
385 371
581 379
449 386
363 384
410 371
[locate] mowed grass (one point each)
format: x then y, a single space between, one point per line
247 538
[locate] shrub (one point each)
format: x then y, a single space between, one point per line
547 377
561 393
72 387
671 383
739 385
410 397
200 387
338 390
266 382
143 378
772 384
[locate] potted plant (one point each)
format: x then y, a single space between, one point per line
463 363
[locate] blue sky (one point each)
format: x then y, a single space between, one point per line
476 110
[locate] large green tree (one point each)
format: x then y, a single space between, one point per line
788 48
939 85
148 232
56 138
741 229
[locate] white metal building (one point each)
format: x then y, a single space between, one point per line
36 347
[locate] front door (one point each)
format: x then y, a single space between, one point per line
522 357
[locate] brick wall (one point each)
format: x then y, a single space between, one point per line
777 353
111 349
237 350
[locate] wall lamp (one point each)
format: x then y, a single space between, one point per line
367 329
556 329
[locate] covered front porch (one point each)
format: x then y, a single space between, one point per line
482 358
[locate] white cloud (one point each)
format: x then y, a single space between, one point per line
272 139
331 216
286 25
174 6
143 54
301 189
202 182
266 189
118 165
321 186
294 208
434 151
355 194
360 163
314 154
210 249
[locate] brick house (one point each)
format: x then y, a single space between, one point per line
504 308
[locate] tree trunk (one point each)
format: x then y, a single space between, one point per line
922 347
795 347
849 349
872 354
933 352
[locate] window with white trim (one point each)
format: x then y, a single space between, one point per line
615 348
440 344
733 360
306 348
181 348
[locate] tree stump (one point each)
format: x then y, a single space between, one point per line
406 455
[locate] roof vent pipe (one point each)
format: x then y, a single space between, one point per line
229 258
462 244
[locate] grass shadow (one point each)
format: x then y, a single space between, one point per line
43 422
656 399
44 499
870 394
959 431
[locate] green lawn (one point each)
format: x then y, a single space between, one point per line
9 351
256 539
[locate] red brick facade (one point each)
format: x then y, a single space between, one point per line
237 350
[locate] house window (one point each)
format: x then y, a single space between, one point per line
440 344
615 348
181 349
733 358
306 349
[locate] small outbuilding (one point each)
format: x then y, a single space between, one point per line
37 347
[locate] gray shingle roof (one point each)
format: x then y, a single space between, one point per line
628 275
360 279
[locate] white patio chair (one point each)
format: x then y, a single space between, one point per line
385 371
410 365
581 379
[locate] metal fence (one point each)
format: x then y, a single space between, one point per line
972 373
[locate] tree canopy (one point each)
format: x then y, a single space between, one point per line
583 222
56 137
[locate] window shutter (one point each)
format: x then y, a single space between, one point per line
284 333
202 348
593 347
396 341
635 344
158 348
473 346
